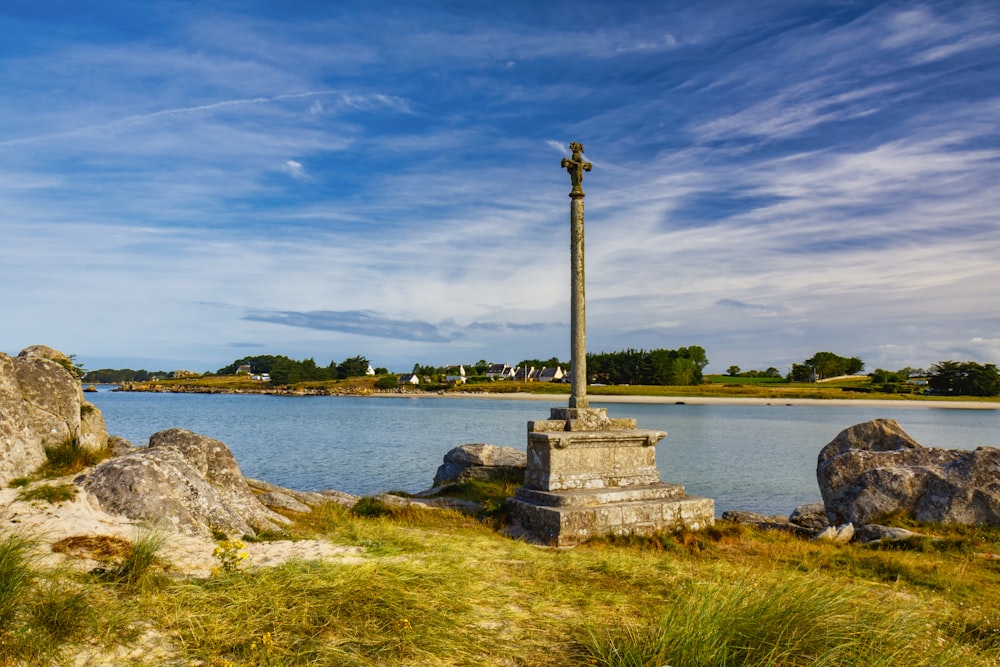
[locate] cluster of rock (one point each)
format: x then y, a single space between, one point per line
42 405
875 470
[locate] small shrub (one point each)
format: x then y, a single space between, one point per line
371 507
19 482
50 493
230 554
387 382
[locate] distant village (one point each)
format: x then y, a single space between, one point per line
453 374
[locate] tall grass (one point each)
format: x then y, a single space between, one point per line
137 570
68 458
438 588
16 574
766 620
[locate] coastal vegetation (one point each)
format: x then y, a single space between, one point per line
658 372
712 386
442 588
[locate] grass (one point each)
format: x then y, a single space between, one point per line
68 458
50 493
438 588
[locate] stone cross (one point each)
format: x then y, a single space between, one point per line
578 309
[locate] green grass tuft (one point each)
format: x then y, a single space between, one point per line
50 493
68 458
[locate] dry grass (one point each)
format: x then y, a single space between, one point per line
438 588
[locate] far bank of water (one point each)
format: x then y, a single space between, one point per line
760 458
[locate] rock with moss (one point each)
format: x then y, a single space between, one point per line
42 405
875 469
482 462
184 480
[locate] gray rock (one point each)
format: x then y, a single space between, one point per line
276 500
119 446
765 522
185 479
42 405
874 533
747 518
874 469
811 516
481 462
456 504
308 498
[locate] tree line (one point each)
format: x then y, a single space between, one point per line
119 375
682 366
284 370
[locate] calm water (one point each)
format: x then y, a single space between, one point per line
756 458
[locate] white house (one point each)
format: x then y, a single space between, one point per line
499 372
524 374
409 378
458 379
370 371
549 374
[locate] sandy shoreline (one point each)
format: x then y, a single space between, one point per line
597 400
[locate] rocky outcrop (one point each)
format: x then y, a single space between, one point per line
482 462
874 469
42 405
183 479
811 516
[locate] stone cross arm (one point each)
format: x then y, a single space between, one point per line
576 166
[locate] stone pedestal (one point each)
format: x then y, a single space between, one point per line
588 475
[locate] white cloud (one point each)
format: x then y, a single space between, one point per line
295 170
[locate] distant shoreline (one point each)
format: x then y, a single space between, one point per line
594 398
714 400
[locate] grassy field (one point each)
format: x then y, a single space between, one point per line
438 588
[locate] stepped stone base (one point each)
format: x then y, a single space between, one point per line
588 475
568 524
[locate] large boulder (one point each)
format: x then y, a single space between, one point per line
42 405
874 469
184 479
488 463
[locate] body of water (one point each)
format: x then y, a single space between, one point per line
760 458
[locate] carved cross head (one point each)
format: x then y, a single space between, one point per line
576 166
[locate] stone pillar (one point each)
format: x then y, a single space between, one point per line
578 302
578 305
589 475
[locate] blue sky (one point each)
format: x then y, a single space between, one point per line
186 183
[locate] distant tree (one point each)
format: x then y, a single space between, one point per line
964 378
825 365
733 371
481 367
682 366
352 367
381 371
258 364
115 376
